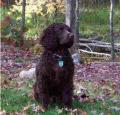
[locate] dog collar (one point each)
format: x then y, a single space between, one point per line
59 59
57 56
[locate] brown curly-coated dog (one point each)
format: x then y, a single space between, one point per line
54 72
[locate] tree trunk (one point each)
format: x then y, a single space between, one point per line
70 13
23 20
70 20
78 2
111 30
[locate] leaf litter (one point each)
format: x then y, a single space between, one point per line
88 78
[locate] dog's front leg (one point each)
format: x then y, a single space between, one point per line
45 94
67 96
45 100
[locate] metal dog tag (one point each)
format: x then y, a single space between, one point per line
61 63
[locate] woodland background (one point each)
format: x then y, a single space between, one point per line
96 77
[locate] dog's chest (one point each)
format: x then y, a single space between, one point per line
57 62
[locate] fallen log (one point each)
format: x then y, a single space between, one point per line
97 42
94 47
90 45
94 53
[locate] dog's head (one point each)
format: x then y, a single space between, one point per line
57 35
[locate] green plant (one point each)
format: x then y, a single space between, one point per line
13 100
17 100
93 21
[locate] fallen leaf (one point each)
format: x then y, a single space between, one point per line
84 113
26 108
2 112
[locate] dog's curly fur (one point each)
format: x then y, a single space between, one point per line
54 82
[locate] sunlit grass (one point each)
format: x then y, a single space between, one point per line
16 99
13 100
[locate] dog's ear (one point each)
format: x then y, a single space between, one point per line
48 39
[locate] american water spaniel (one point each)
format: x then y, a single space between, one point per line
54 72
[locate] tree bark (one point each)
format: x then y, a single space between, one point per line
23 20
70 17
111 29
77 23
70 6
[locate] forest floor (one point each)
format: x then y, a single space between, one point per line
100 79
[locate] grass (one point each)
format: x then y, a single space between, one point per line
98 107
96 21
15 100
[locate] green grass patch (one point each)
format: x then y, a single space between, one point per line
95 108
14 100
96 22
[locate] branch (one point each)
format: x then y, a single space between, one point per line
95 53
